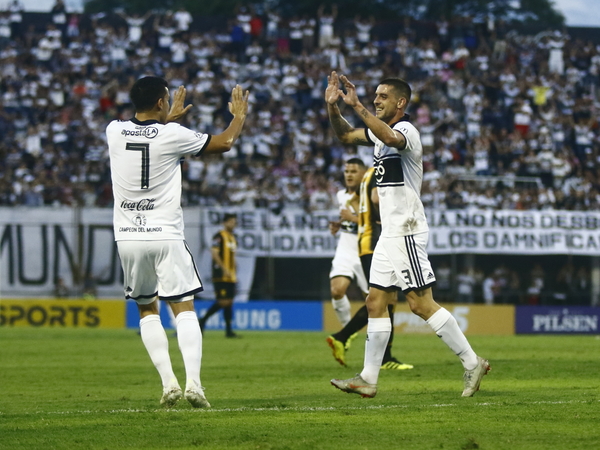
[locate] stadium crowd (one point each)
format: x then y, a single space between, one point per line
506 120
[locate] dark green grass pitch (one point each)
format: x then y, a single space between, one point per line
82 389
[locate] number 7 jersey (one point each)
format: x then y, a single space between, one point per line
146 177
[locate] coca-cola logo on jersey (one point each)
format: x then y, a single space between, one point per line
146 204
147 132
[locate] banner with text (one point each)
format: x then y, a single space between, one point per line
514 232
38 246
62 313
290 234
557 320
255 315
472 319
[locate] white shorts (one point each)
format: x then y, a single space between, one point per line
163 268
346 263
402 262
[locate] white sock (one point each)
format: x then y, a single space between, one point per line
189 337
446 327
156 343
378 334
342 309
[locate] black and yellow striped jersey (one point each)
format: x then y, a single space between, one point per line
226 244
369 225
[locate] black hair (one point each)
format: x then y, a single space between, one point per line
146 91
228 216
359 162
401 87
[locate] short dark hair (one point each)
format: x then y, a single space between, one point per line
146 91
228 216
401 87
359 162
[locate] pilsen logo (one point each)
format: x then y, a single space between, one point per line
146 204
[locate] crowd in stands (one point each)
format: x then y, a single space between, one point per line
507 120
540 284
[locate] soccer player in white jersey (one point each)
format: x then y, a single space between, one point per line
145 154
346 265
400 260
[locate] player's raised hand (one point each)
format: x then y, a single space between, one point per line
350 97
238 106
332 93
177 110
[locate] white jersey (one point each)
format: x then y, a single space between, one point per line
349 230
146 177
346 262
399 174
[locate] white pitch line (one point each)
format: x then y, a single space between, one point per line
304 408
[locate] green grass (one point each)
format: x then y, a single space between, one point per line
81 389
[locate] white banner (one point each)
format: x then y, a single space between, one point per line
38 245
514 232
291 234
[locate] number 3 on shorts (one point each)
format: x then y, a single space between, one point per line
407 277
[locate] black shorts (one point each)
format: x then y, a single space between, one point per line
365 261
224 290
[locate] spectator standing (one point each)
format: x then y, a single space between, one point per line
5 28
16 9
466 286
326 21
296 31
555 45
363 30
309 25
183 19
491 289
59 16
135 24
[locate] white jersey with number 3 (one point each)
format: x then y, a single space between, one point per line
399 175
146 177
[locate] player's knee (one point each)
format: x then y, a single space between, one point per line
423 310
416 308
421 303
337 292
376 306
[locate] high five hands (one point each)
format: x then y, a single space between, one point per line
177 110
333 91
238 106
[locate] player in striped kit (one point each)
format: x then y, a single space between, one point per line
224 273
145 154
400 259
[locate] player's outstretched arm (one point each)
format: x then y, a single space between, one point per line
238 107
177 110
382 130
345 132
